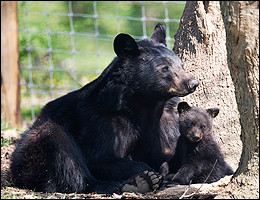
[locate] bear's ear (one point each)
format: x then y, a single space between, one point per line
159 34
213 112
125 46
183 106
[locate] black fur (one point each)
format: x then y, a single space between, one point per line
96 138
197 153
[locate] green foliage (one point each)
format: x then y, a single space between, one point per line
92 52
5 126
5 142
27 113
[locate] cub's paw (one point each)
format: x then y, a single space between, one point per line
146 181
167 178
167 181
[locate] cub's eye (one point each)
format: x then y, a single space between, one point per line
189 124
165 68
202 126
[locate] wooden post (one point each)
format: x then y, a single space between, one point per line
10 89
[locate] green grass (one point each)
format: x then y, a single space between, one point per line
5 142
27 113
5 126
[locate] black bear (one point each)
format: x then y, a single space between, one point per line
198 157
95 139
169 130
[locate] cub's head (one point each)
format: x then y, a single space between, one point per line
194 122
153 69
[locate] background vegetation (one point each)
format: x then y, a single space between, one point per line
60 52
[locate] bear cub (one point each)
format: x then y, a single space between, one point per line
198 157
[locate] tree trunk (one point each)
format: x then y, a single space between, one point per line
10 88
228 71
201 43
241 19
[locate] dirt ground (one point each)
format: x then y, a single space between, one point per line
220 190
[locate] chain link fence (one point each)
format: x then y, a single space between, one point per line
64 45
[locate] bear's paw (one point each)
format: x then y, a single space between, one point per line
146 181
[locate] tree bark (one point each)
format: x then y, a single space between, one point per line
201 43
241 19
10 88
224 57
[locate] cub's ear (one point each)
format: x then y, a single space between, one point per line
183 106
213 112
159 34
125 46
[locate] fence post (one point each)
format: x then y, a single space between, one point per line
10 88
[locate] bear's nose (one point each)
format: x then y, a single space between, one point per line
193 84
196 138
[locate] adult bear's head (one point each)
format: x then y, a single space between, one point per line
154 70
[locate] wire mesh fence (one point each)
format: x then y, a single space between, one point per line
63 45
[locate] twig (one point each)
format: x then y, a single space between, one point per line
182 196
186 190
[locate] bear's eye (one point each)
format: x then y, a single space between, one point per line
202 126
189 124
165 68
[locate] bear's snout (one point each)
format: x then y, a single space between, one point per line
192 85
194 136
